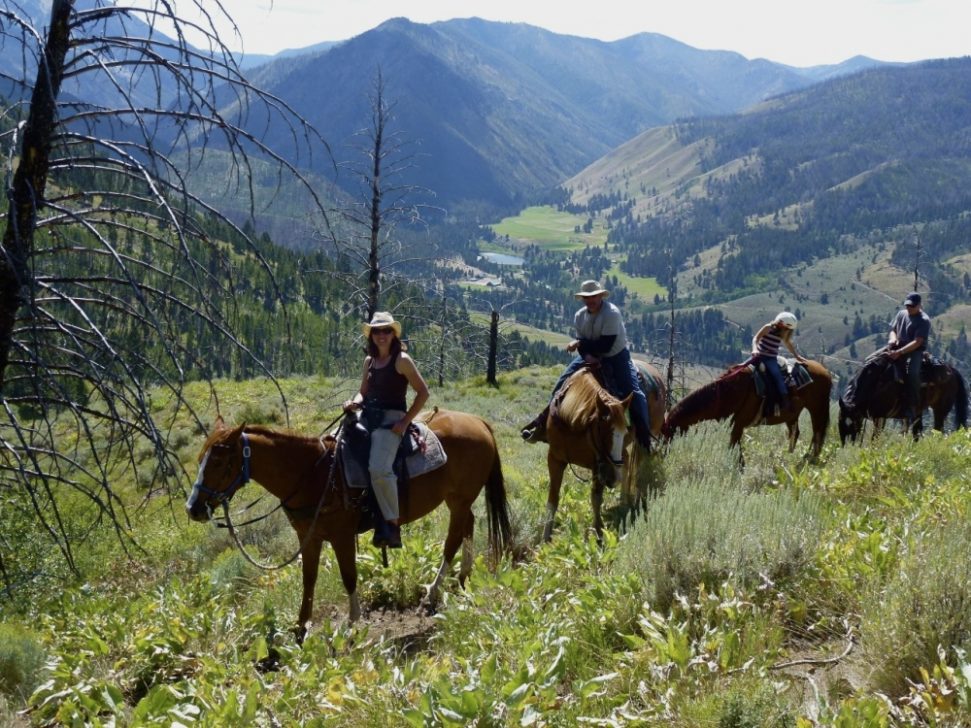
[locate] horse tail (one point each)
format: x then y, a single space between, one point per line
497 510
497 505
961 402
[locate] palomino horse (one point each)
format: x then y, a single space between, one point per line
874 392
734 395
301 472
587 427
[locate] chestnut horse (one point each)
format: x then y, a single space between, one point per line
587 427
873 392
734 395
301 472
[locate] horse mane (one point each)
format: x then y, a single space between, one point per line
271 433
587 393
698 405
860 387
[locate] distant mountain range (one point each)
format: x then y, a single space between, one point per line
497 112
502 112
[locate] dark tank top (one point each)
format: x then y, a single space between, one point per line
386 388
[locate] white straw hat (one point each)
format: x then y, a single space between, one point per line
382 320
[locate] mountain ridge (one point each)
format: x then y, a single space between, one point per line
505 111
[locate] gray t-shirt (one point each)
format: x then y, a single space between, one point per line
909 327
606 322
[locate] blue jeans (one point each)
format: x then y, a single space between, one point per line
620 376
913 362
775 375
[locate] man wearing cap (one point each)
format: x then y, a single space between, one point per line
601 341
909 332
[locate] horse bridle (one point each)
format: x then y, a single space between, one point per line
222 497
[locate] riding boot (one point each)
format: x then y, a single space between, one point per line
382 532
643 438
394 536
535 431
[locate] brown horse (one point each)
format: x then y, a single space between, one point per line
734 395
874 393
301 472
587 427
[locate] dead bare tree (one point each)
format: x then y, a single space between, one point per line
494 339
367 232
110 281
672 331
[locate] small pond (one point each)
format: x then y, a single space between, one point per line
503 258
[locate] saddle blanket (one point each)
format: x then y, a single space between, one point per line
418 463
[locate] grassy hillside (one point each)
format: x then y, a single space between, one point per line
787 594
823 201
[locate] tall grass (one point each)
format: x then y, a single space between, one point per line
21 661
710 527
922 612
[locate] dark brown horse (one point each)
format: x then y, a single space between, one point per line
875 393
587 427
301 472
734 395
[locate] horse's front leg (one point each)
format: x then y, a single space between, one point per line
345 550
596 501
556 469
735 440
793 427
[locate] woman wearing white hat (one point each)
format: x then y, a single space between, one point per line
765 351
388 371
601 341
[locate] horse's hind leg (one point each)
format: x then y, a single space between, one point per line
465 568
460 525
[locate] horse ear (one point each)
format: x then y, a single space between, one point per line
627 400
219 424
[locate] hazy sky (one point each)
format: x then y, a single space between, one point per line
796 32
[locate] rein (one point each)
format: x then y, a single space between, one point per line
323 496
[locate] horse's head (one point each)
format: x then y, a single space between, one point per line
610 434
223 469
850 421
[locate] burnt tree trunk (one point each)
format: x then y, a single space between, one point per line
493 348
30 179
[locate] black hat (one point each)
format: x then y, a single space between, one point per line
913 299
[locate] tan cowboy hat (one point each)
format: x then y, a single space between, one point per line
591 288
382 320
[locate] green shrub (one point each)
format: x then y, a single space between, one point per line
925 605
708 533
761 709
21 660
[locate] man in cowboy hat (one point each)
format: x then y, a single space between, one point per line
909 332
601 342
